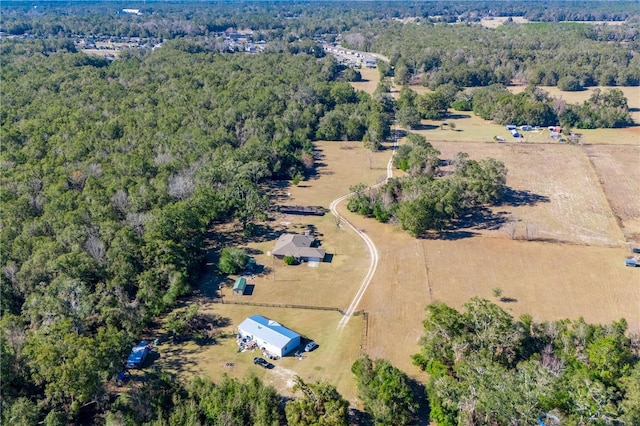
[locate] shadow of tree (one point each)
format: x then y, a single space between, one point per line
455 235
425 127
480 218
516 198
420 396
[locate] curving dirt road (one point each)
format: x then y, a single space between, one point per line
373 251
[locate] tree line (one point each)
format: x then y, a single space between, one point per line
533 106
471 55
277 20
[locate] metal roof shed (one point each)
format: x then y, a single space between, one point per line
270 335
240 285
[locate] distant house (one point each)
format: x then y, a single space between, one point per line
132 11
298 246
269 335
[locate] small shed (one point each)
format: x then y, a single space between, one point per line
270 335
239 286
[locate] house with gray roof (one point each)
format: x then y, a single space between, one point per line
298 246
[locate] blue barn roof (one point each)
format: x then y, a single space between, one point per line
268 330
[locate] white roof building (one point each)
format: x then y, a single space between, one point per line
269 335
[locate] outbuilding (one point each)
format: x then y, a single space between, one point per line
269 335
240 286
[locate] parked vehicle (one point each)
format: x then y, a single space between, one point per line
262 362
310 346
138 354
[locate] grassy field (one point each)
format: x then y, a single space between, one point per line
618 170
370 80
470 128
555 194
188 359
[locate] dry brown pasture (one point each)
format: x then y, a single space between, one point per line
370 80
331 362
618 170
556 194
496 21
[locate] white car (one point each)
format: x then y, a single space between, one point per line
310 346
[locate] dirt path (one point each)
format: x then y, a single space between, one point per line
373 251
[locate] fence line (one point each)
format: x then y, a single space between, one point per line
279 305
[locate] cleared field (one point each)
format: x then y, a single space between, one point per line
496 21
618 170
547 281
470 128
370 80
330 362
556 195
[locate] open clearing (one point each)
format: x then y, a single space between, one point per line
555 193
631 93
330 362
547 280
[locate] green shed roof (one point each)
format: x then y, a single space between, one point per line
240 284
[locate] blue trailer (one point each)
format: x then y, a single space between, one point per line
138 354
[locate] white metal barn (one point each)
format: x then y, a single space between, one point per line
269 334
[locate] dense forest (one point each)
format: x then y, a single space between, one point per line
487 368
538 54
113 171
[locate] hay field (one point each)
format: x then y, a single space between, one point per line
370 80
618 170
557 195
496 21
547 281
